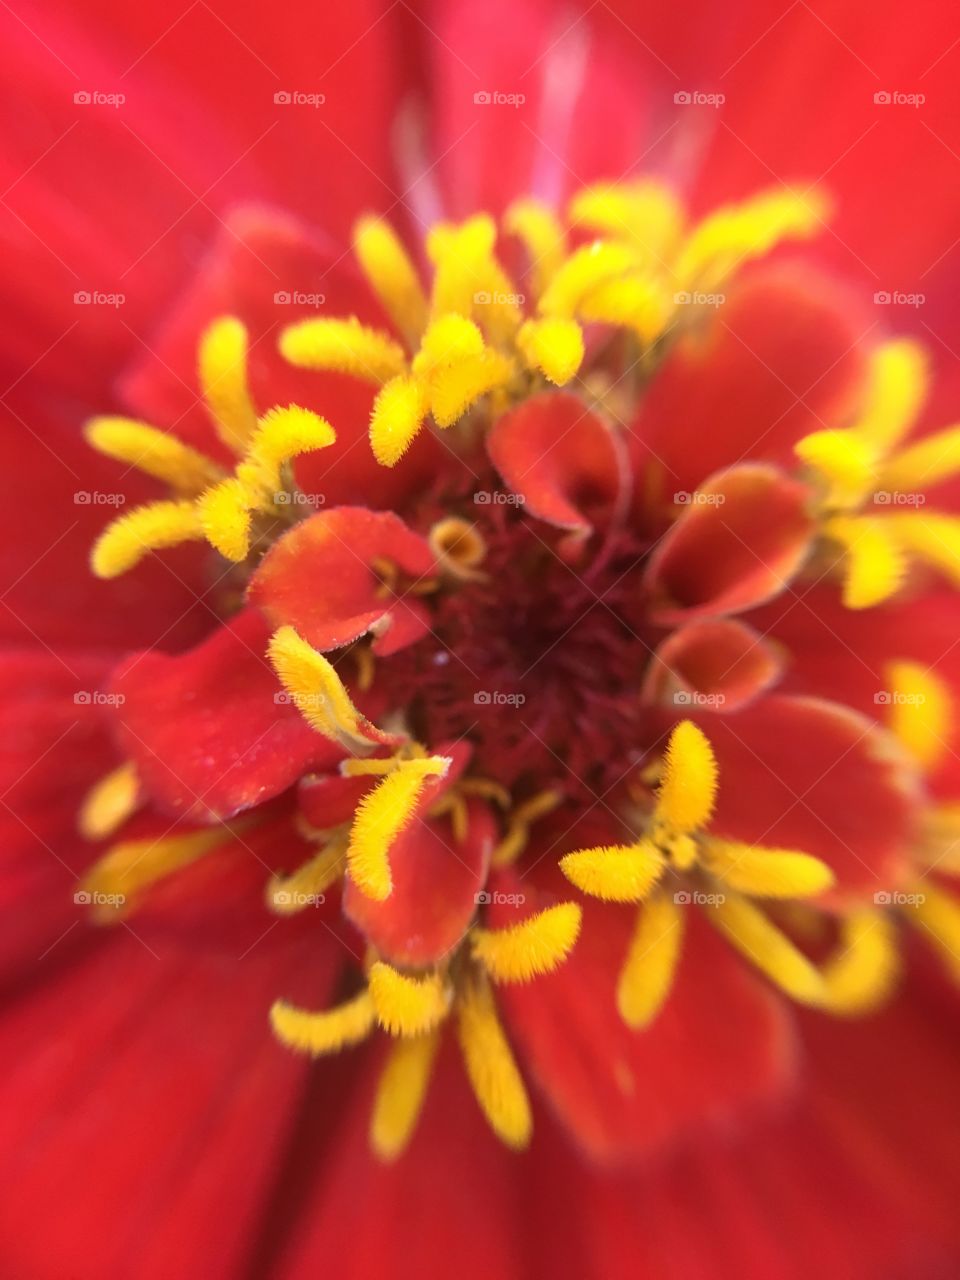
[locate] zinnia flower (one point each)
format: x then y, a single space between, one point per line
480 756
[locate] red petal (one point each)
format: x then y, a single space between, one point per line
716 662
800 773
741 537
436 880
206 729
721 1045
320 579
561 458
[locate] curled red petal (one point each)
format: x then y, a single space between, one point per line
561 459
206 729
713 662
743 534
322 579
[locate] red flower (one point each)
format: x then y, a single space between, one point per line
551 698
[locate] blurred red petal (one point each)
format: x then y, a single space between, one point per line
717 660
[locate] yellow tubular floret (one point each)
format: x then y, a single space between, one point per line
408 1006
346 346
157 453
617 873
401 1091
380 817
449 340
491 1069
937 915
770 950
767 873
585 269
392 275
532 947
325 1032
317 691
896 389
224 513
873 564
845 462
108 805
456 389
543 237
153 527
284 434
932 538
645 212
399 412
222 368
688 786
286 895
132 866
554 346
632 302
862 974
648 972
920 716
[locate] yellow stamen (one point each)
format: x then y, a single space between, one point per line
646 212
518 827
401 1092
224 514
615 873
861 976
757 938
108 805
380 817
532 947
648 972
456 389
490 1065
318 692
919 711
153 527
157 453
937 913
392 275
924 464
688 786
132 866
896 389
284 434
633 302
223 380
554 346
585 269
286 895
449 340
873 563
325 1032
767 873
941 839
407 1006
543 238
345 346
932 538
468 279
844 460
399 412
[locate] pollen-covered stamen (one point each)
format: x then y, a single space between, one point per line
326 1032
645 212
533 947
287 895
108 805
156 453
153 527
519 821
759 940
936 913
406 1005
130 867
862 973
920 712
392 275
542 235
766 873
345 346
648 971
222 369
401 1092
615 873
491 1068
